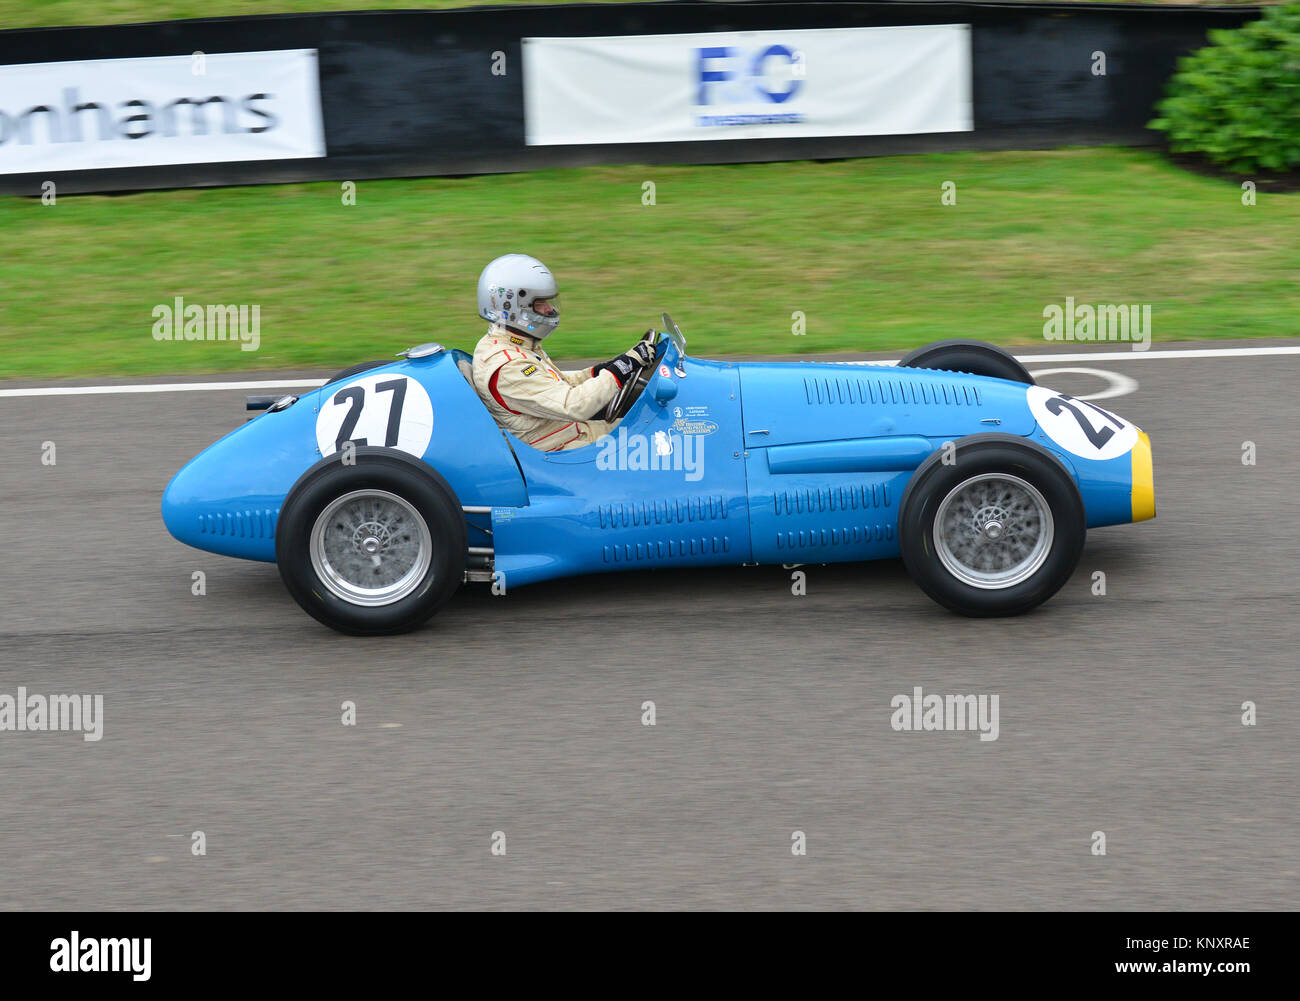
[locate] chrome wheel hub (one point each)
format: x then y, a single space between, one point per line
993 531
370 547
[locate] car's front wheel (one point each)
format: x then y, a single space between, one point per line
371 547
993 526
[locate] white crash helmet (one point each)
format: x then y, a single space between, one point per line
519 292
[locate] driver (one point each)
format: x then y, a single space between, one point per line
524 390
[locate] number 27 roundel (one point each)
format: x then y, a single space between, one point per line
1079 426
387 410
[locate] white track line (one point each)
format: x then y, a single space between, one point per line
162 387
1136 355
1175 353
198 387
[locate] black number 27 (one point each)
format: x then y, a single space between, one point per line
355 397
1098 436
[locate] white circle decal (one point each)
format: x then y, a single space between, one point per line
1118 385
388 410
1080 427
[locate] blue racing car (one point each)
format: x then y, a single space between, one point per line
382 492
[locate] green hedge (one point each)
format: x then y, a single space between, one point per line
1237 101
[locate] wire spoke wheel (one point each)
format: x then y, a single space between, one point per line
993 531
370 547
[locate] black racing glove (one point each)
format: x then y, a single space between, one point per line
620 367
644 350
641 354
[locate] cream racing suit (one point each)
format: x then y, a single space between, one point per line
532 398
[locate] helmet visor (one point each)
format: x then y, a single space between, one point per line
549 307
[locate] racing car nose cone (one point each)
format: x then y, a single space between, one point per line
1144 486
993 530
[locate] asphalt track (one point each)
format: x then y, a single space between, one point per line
521 714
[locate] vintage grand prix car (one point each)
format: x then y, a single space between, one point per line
382 492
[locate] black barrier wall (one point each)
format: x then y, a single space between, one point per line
408 93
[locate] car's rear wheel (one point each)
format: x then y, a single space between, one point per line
372 547
996 531
975 357
357 369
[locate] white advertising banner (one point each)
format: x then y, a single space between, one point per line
748 85
200 108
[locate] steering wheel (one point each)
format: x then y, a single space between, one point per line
635 385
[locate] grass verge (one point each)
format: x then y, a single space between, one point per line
864 249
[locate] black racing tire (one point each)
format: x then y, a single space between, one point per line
358 368
974 357
985 483
409 501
